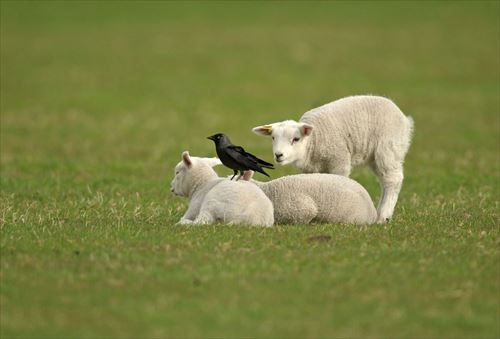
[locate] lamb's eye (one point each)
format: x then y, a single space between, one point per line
272 138
294 140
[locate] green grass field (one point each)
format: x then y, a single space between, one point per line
99 99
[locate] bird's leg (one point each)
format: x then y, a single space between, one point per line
234 174
239 176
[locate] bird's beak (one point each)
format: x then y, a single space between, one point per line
211 137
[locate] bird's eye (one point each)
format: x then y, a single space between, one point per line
294 140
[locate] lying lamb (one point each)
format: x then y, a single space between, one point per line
213 199
345 133
319 197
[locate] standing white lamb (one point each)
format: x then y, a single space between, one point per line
348 132
213 199
318 197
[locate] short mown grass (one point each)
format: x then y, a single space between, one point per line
99 99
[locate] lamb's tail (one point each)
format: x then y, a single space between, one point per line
411 125
409 133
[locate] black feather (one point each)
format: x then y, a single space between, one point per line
236 158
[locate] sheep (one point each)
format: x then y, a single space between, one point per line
318 197
213 199
345 133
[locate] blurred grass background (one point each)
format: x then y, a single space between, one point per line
99 98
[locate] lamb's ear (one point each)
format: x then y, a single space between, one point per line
247 175
213 162
305 129
263 130
186 159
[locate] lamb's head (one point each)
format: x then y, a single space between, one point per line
289 140
192 171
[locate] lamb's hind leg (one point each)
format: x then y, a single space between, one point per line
204 218
305 210
390 176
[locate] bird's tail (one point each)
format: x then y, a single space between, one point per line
260 170
266 165
260 162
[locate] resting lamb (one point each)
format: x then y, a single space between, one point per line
218 200
319 198
348 132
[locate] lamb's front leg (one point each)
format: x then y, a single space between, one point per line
204 218
184 221
190 215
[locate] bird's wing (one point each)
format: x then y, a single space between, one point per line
236 153
242 153
238 149
252 157
239 154
247 159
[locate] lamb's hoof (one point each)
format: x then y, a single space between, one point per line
383 220
184 222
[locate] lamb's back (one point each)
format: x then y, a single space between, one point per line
354 124
337 198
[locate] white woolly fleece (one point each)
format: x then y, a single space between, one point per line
318 198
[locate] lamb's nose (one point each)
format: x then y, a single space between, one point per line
278 155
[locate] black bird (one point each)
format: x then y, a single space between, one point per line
236 158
